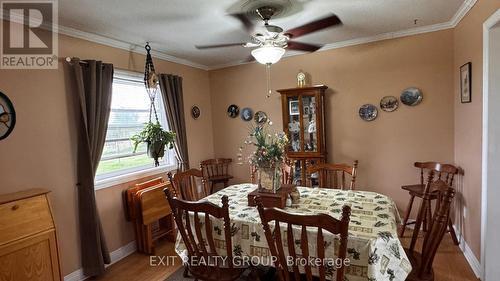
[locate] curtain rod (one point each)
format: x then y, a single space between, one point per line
70 59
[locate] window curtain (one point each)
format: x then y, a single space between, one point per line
93 85
171 90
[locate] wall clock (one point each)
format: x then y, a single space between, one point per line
7 116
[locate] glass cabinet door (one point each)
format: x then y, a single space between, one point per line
309 123
294 129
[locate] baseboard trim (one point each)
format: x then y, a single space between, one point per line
466 250
130 248
471 258
115 256
469 255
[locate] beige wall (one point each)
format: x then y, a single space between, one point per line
387 147
41 151
468 47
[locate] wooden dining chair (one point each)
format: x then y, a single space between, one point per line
442 172
286 174
189 185
328 175
320 222
216 171
422 262
192 233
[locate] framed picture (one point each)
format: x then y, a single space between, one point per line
466 82
294 107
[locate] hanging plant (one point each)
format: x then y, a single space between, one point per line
153 134
156 139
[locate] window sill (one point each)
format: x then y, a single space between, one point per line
117 180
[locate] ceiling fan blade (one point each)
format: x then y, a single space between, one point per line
292 45
314 26
201 47
245 20
249 59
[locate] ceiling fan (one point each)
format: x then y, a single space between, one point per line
272 41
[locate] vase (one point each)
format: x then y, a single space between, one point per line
156 150
269 179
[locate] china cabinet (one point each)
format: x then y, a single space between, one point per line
304 124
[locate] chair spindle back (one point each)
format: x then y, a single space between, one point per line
189 185
215 167
321 222
188 217
334 175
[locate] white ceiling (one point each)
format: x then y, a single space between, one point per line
174 27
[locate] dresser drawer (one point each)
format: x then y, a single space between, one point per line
34 258
21 218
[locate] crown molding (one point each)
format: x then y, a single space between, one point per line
107 41
459 15
359 41
137 47
462 11
131 47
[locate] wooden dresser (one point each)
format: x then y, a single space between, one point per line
28 244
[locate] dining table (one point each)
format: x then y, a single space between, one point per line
373 247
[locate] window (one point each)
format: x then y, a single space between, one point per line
129 111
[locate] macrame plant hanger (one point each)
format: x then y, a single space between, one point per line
151 82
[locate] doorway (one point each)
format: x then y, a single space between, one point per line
490 248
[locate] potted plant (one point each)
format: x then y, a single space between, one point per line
268 157
156 139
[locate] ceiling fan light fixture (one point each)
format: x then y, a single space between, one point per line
268 54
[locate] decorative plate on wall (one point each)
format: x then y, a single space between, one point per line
389 103
260 117
195 112
411 96
7 116
233 110
368 112
246 114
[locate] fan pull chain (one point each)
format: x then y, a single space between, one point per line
268 80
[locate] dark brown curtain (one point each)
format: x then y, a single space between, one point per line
171 90
93 84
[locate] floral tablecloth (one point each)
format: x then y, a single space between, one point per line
374 249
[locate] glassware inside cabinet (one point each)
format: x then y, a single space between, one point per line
294 124
309 121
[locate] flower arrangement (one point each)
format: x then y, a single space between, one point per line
268 157
269 148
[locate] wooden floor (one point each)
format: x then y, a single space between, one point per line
136 267
449 264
